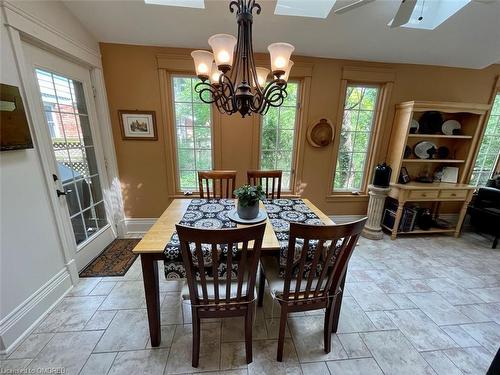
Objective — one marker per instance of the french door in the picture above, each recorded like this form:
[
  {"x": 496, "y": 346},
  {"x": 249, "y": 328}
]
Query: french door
[{"x": 66, "y": 104}]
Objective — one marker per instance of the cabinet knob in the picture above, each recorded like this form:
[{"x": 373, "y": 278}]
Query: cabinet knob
[
  {"x": 453, "y": 195},
  {"x": 424, "y": 195}
]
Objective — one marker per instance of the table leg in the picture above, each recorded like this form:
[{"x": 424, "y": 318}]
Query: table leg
[
  {"x": 338, "y": 305},
  {"x": 399, "y": 213},
  {"x": 152, "y": 290},
  {"x": 463, "y": 212},
  {"x": 262, "y": 282}
]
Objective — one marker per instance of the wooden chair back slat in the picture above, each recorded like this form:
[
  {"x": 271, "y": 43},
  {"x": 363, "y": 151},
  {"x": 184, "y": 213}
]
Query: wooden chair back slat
[
  {"x": 237, "y": 240},
  {"x": 324, "y": 271},
  {"x": 215, "y": 270},
  {"x": 314, "y": 265},
  {"x": 208, "y": 181},
  {"x": 343, "y": 239},
  {"x": 229, "y": 271},
  {"x": 241, "y": 270},
  {"x": 302, "y": 265},
  {"x": 266, "y": 179}
]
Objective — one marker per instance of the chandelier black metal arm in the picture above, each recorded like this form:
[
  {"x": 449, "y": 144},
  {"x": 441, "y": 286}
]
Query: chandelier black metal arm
[{"x": 238, "y": 88}]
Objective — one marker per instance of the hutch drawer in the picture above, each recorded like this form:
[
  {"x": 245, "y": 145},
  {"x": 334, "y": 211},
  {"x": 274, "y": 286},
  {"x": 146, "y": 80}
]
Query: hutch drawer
[
  {"x": 423, "y": 194},
  {"x": 453, "y": 194}
]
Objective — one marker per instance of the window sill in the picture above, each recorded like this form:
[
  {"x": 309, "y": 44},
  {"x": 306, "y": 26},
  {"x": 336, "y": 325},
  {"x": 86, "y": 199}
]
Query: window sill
[{"x": 342, "y": 197}]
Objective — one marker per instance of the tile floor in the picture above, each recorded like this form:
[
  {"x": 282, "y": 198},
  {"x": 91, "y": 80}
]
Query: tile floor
[{"x": 412, "y": 306}]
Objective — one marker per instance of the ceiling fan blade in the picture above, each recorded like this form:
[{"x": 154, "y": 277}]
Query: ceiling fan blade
[
  {"x": 352, "y": 6},
  {"x": 403, "y": 14}
]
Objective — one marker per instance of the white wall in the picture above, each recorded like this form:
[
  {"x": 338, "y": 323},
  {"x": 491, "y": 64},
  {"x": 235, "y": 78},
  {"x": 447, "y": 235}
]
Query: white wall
[{"x": 33, "y": 274}]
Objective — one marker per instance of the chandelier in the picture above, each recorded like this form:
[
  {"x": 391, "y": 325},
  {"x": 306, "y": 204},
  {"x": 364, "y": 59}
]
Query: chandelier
[{"x": 232, "y": 82}]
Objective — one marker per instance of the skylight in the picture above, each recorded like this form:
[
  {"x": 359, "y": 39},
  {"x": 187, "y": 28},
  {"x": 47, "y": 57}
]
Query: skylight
[
  {"x": 304, "y": 8},
  {"x": 178, "y": 3},
  {"x": 429, "y": 14}
]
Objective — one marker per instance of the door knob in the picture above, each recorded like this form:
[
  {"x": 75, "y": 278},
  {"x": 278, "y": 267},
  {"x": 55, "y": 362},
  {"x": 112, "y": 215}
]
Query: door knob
[{"x": 59, "y": 192}]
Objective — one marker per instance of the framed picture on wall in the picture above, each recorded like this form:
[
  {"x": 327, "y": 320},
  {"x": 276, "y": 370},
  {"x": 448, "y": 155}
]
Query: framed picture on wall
[{"x": 138, "y": 125}]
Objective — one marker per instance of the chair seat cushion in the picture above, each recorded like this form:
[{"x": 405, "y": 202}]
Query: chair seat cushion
[
  {"x": 211, "y": 290},
  {"x": 276, "y": 282}
]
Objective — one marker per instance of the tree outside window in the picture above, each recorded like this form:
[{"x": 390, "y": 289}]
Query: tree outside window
[
  {"x": 357, "y": 124},
  {"x": 489, "y": 152},
  {"x": 193, "y": 129},
  {"x": 278, "y": 136}
]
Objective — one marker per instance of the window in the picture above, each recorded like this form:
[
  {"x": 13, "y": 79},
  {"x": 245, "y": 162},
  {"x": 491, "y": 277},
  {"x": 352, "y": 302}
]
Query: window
[
  {"x": 488, "y": 155},
  {"x": 278, "y": 136},
  {"x": 360, "y": 109},
  {"x": 193, "y": 129}
]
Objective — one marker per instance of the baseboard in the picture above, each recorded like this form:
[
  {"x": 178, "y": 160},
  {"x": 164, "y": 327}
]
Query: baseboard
[
  {"x": 16, "y": 326},
  {"x": 136, "y": 228},
  {"x": 341, "y": 219}
]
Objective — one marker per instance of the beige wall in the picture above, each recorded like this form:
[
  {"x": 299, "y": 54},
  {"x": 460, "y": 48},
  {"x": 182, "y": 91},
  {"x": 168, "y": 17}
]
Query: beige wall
[{"x": 133, "y": 82}]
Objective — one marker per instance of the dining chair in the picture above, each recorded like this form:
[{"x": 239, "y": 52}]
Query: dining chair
[
  {"x": 204, "y": 253},
  {"x": 265, "y": 179},
  {"x": 225, "y": 181},
  {"x": 316, "y": 264}
]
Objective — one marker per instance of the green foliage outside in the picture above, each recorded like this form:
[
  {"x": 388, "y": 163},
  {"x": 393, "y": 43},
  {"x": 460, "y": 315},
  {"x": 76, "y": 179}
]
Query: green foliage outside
[
  {"x": 193, "y": 132},
  {"x": 278, "y": 136},
  {"x": 490, "y": 148},
  {"x": 359, "y": 113}
]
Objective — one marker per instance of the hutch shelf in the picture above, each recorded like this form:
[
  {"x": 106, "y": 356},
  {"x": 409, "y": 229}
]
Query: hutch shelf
[{"x": 462, "y": 152}]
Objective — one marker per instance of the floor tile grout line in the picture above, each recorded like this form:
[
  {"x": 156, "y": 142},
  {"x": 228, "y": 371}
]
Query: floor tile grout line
[
  {"x": 375, "y": 359},
  {"x": 31, "y": 334}
]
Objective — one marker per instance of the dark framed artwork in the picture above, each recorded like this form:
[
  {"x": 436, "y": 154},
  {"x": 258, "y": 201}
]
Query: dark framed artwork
[
  {"x": 14, "y": 130},
  {"x": 138, "y": 125}
]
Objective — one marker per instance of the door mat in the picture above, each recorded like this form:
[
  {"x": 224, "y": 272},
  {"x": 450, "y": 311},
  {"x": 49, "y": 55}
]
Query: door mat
[{"x": 115, "y": 260}]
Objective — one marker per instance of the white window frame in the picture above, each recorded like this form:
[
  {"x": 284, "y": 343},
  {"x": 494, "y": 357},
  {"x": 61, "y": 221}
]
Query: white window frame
[
  {"x": 174, "y": 134},
  {"x": 371, "y": 143}
]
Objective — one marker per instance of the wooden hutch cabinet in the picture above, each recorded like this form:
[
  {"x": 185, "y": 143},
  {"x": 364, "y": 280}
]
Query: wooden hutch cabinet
[{"x": 462, "y": 151}]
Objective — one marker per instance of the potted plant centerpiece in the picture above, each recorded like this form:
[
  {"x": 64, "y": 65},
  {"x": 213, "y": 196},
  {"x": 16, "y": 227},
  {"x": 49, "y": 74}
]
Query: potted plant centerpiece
[{"x": 248, "y": 201}]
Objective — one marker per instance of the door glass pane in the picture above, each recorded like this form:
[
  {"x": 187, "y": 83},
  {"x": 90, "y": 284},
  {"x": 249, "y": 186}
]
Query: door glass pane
[
  {"x": 72, "y": 199},
  {"x": 67, "y": 119},
  {"x": 78, "y": 229}
]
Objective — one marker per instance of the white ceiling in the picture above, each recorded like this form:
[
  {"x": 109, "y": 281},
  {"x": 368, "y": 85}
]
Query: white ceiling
[{"x": 470, "y": 39}]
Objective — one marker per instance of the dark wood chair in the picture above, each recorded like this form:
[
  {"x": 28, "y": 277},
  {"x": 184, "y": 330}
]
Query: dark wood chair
[
  {"x": 215, "y": 296},
  {"x": 267, "y": 179},
  {"x": 222, "y": 184},
  {"x": 314, "y": 273}
]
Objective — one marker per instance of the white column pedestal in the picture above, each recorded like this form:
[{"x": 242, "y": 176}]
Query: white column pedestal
[{"x": 372, "y": 229}]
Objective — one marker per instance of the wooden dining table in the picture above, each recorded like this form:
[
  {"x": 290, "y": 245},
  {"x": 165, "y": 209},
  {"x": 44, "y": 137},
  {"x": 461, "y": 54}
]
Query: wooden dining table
[{"x": 152, "y": 245}]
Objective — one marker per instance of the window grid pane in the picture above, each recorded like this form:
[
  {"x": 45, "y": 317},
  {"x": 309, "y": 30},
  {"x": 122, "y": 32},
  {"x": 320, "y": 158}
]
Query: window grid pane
[
  {"x": 278, "y": 136},
  {"x": 193, "y": 132},
  {"x": 490, "y": 148},
  {"x": 355, "y": 136}
]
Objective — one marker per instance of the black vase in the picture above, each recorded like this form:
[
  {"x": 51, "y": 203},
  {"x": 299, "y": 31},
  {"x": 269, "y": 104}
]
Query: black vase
[
  {"x": 382, "y": 175},
  {"x": 424, "y": 219}
]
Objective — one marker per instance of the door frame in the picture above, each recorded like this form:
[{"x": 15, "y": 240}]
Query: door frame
[
  {"x": 103, "y": 135},
  {"x": 48, "y": 61}
]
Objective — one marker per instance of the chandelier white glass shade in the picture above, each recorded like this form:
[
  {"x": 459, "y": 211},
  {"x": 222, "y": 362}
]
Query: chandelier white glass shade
[{"x": 230, "y": 79}]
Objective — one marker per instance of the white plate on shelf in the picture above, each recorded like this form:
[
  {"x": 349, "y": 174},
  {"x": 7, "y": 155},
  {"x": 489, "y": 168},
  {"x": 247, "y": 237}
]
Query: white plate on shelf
[
  {"x": 414, "y": 125},
  {"x": 449, "y": 126},
  {"x": 233, "y": 216}
]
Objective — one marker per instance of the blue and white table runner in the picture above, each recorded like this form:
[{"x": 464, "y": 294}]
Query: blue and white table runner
[{"x": 212, "y": 214}]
